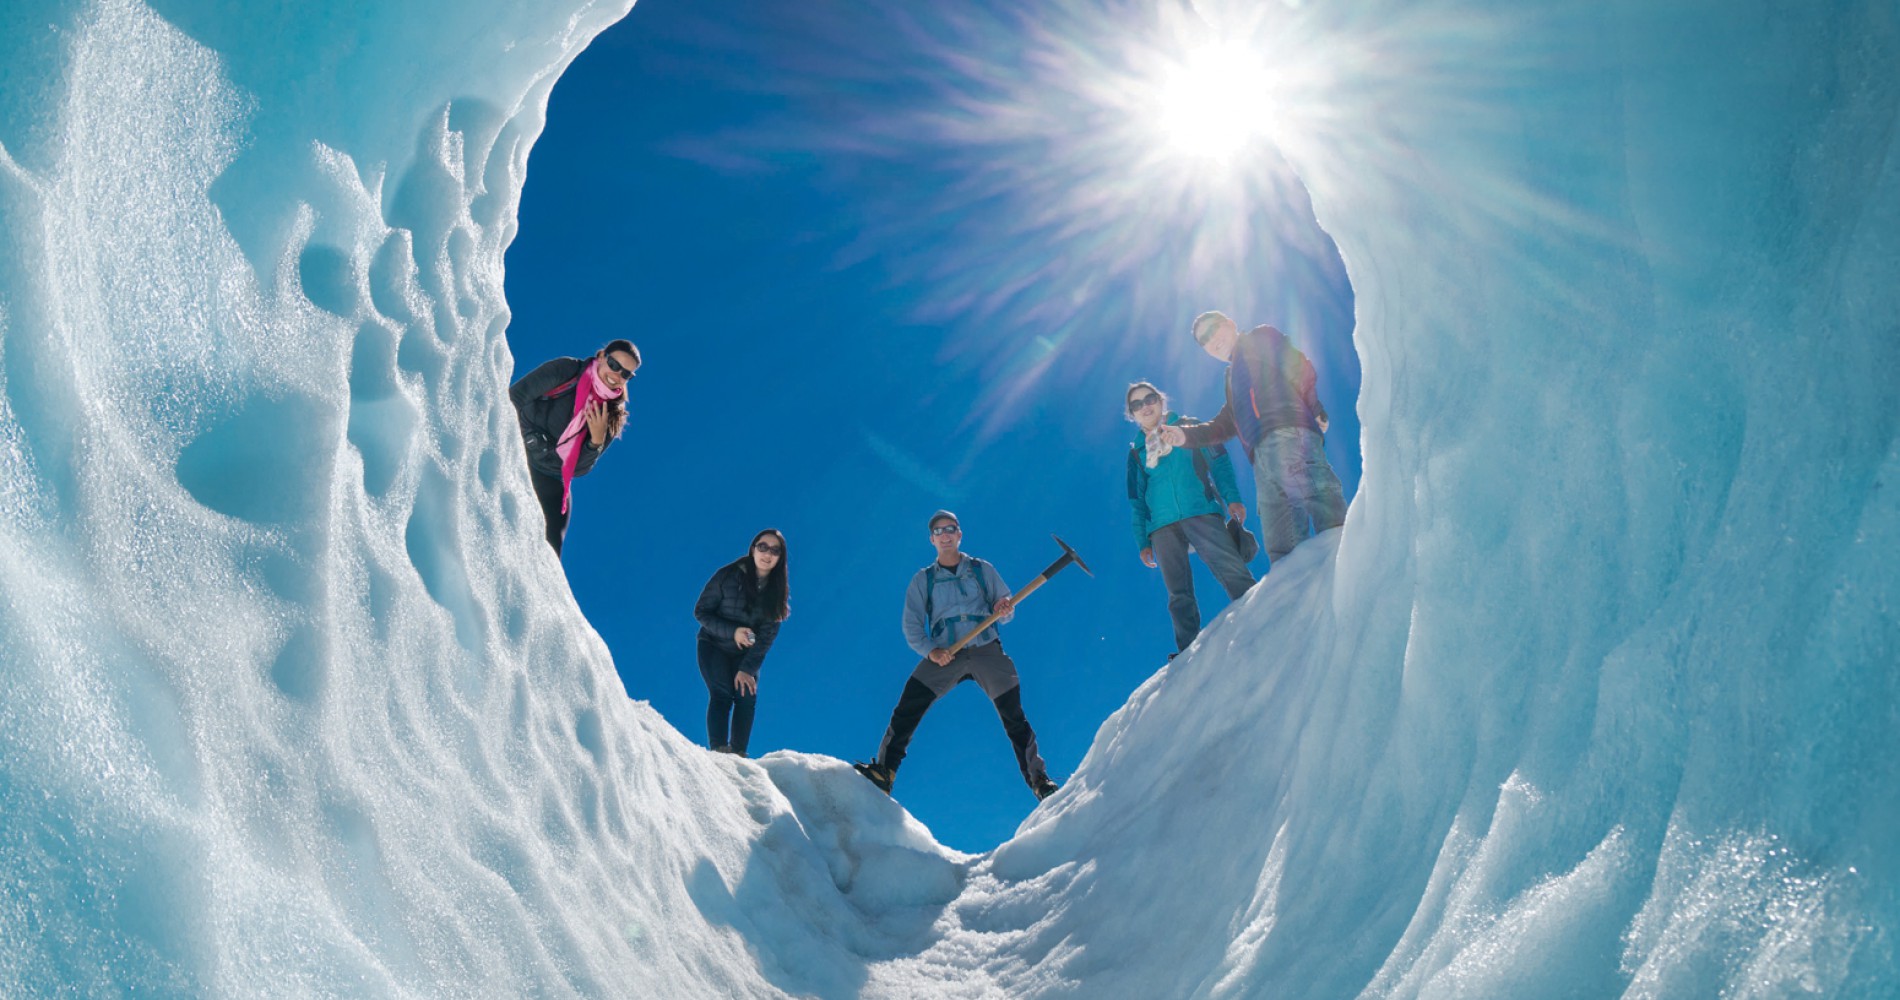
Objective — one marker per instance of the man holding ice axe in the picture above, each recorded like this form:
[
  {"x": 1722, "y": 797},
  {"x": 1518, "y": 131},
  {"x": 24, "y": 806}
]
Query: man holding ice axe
[{"x": 950, "y": 616}]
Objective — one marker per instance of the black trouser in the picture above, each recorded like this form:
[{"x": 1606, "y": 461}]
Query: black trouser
[
  {"x": 718, "y": 668},
  {"x": 547, "y": 489},
  {"x": 917, "y": 699}
]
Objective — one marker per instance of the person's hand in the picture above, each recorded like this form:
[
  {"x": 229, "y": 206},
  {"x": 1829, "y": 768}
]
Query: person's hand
[
  {"x": 1322, "y": 425},
  {"x": 1173, "y": 435},
  {"x": 1004, "y": 603},
  {"x": 1236, "y": 512},
  {"x": 940, "y": 656},
  {"x": 1148, "y": 558},
  {"x": 745, "y": 684},
  {"x": 596, "y": 414},
  {"x": 743, "y": 637}
]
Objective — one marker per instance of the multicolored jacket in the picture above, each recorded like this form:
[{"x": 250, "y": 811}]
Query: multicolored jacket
[{"x": 1270, "y": 385}]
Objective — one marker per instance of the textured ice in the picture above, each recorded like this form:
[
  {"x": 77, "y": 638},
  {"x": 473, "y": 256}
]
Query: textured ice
[{"x": 1595, "y": 694}]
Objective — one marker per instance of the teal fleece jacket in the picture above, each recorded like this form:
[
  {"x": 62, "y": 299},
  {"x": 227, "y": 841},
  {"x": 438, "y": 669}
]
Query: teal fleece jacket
[{"x": 1172, "y": 490}]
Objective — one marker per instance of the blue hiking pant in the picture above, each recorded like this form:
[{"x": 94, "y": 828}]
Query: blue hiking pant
[
  {"x": 1297, "y": 488},
  {"x": 1207, "y": 534}
]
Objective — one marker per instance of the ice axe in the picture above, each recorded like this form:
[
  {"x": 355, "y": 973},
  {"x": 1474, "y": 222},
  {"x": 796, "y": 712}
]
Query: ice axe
[{"x": 1068, "y": 556}]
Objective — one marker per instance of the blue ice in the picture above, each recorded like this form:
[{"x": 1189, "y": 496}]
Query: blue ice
[{"x": 1593, "y": 695}]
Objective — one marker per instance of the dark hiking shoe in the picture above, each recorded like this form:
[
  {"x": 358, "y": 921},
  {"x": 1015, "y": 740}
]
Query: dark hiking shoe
[
  {"x": 729, "y": 748},
  {"x": 877, "y": 774},
  {"x": 1044, "y": 789}
]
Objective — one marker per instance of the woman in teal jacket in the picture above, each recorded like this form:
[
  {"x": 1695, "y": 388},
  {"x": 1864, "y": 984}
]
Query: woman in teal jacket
[{"x": 1180, "y": 496}]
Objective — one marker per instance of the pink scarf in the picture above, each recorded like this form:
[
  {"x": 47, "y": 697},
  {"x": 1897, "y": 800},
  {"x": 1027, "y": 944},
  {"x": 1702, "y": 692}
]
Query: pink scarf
[{"x": 587, "y": 388}]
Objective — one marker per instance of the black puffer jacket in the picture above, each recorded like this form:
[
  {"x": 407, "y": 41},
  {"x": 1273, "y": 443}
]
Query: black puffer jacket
[
  {"x": 544, "y": 417},
  {"x": 726, "y": 605}
]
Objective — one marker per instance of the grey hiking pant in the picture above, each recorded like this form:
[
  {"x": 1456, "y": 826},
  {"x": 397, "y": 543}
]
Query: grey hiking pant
[
  {"x": 1207, "y": 533},
  {"x": 995, "y": 673},
  {"x": 1296, "y": 486}
]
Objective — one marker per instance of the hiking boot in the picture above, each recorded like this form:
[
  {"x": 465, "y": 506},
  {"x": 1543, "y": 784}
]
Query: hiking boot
[
  {"x": 877, "y": 774},
  {"x": 1044, "y": 788},
  {"x": 729, "y": 748}
]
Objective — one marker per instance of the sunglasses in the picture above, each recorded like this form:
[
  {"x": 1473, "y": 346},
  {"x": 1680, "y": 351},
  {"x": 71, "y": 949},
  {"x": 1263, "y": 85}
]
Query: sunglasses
[
  {"x": 1143, "y": 403},
  {"x": 769, "y": 549},
  {"x": 615, "y": 365},
  {"x": 945, "y": 529}
]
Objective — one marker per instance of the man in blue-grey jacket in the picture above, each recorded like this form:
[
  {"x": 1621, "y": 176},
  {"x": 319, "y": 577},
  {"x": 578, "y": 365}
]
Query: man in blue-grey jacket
[{"x": 947, "y": 599}]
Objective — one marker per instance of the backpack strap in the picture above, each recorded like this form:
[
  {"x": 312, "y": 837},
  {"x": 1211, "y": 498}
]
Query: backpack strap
[
  {"x": 1201, "y": 470},
  {"x": 1206, "y": 476},
  {"x": 930, "y": 592},
  {"x": 982, "y": 580}
]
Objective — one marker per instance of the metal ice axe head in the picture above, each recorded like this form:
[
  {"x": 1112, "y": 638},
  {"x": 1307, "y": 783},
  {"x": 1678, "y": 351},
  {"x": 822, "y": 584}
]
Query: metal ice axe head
[{"x": 1068, "y": 556}]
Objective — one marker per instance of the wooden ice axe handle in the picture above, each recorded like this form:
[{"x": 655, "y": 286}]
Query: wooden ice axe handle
[{"x": 1068, "y": 556}]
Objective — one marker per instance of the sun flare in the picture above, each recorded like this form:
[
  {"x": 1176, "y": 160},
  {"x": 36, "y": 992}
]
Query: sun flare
[{"x": 1215, "y": 103}]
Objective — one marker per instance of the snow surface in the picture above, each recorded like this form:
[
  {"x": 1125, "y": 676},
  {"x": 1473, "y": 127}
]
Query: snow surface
[{"x": 1594, "y": 694}]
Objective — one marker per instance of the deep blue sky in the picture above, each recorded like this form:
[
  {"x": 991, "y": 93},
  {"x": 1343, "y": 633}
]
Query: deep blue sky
[{"x": 848, "y": 322}]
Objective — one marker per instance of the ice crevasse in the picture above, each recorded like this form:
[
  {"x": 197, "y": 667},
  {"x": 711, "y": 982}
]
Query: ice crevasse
[{"x": 1594, "y": 694}]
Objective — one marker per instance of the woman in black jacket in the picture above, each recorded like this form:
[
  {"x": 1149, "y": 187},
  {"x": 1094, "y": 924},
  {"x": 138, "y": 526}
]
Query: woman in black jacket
[
  {"x": 739, "y": 613},
  {"x": 570, "y": 410}
]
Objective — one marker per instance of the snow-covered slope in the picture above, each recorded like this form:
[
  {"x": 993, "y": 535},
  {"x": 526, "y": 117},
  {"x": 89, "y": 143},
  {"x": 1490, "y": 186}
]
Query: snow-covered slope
[{"x": 1594, "y": 694}]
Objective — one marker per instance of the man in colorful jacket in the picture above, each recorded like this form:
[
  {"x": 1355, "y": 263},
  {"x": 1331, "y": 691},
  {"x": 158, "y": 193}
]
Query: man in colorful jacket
[{"x": 1274, "y": 408}]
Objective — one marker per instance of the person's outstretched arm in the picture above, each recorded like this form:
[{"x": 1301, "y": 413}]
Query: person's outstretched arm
[{"x": 1215, "y": 431}]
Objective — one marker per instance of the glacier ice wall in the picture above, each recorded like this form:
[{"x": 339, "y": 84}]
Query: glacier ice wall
[
  {"x": 1594, "y": 694},
  {"x": 1598, "y": 694},
  {"x": 295, "y": 701}
]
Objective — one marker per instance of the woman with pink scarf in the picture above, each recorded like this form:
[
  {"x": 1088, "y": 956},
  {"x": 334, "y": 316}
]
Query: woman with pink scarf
[{"x": 570, "y": 410}]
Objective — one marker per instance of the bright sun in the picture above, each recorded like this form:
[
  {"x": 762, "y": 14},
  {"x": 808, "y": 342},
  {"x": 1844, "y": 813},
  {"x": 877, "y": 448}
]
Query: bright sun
[{"x": 1216, "y": 102}]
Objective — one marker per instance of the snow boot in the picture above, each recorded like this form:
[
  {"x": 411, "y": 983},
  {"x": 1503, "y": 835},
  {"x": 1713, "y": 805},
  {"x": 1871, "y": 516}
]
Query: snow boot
[
  {"x": 877, "y": 774},
  {"x": 1044, "y": 788}
]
